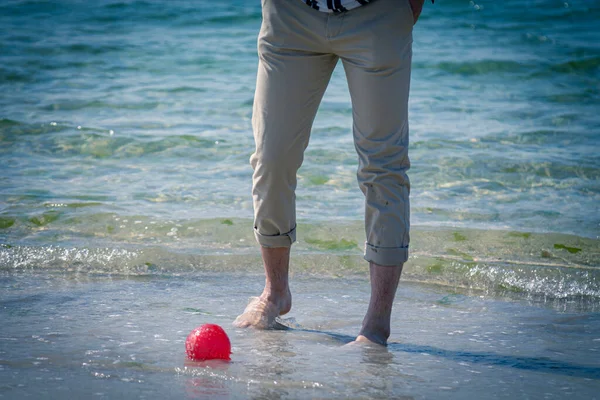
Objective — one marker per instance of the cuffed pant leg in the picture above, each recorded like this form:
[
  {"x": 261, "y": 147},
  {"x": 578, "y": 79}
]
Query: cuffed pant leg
[
  {"x": 377, "y": 66},
  {"x": 293, "y": 72}
]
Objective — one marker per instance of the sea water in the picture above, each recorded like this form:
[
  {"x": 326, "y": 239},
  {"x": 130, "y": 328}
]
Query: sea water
[{"x": 126, "y": 214}]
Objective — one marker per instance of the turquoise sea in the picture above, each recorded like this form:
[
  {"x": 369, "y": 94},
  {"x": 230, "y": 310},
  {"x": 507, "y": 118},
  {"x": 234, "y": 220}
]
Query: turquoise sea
[{"x": 126, "y": 214}]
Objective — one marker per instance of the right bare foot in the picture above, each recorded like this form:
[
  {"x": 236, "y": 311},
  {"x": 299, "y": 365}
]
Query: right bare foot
[{"x": 262, "y": 311}]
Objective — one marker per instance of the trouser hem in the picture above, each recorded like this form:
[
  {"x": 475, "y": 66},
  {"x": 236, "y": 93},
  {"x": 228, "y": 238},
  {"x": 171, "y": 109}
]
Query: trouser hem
[
  {"x": 282, "y": 240},
  {"x": 389, "y": 256}
]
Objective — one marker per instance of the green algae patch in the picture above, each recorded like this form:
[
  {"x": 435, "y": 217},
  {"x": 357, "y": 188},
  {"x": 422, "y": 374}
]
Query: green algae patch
[
  {"x": 435, "y": 268},
  {"x": 524, "y": 235},
  {"x": 345, "y": 261},
  {"x": 318, "y": 180},
  {"x": 227, "y": 222},
  {"x": 44, "y": 218},
  {"x": 6, "y": 222},
  {"x": 461, "y": 254},
  {"x": 458, "y": 237},
  {"x": 572, "y": 250},
  {"x": 342, "y": 244}
]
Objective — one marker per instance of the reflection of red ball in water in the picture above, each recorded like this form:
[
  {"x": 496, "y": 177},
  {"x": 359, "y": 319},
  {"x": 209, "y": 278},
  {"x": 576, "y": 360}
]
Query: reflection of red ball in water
[{"x": 208, "y": 342}]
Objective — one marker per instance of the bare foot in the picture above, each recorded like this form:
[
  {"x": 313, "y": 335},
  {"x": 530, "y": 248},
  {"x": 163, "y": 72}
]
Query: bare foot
[
  {"x": 276, "y": 298},
  {"x": 261, "y": 312},
  {"x": 376, "y": 324},
  {"x": 361, "y": 339}
]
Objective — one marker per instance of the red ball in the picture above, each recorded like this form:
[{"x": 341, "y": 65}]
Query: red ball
[{"x": 208, "y": 342}]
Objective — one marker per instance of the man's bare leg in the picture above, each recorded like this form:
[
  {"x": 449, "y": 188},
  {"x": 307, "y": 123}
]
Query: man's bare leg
[
  {"x": 376, "y": 324},
  {"x": 276, "y": 298}
]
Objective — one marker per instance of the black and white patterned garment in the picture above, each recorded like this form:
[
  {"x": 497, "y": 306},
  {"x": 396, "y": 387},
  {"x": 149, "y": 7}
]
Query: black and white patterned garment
[{"x": 335, "y": 5}]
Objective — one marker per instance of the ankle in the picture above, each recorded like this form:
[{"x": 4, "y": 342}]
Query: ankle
[
  {"x": 276, "y": 289},
  {"x": 376, "y": 325},
  {"x": 274, "y": 296},
  {"x": 376, "y": 333},
  {"x": 280, "y": 296}
]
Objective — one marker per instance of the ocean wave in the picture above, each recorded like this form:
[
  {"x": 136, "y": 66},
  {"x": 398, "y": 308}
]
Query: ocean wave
[
  {"x": 495, "y": 262},
  {"x": 482, "y": 67},
  {"x": 552, "y": 279},
  {"x": 589, "y": 67},
  {"x": 61, "y": 139}
]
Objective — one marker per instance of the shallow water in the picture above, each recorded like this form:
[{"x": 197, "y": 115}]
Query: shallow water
[{"x": 112, "y": 337}]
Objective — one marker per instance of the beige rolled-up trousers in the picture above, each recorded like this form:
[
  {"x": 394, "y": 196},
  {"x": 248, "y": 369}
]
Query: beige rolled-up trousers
[{"x": 298, "y": 48}]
